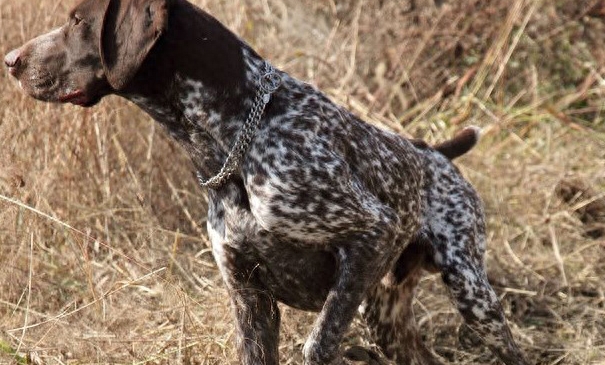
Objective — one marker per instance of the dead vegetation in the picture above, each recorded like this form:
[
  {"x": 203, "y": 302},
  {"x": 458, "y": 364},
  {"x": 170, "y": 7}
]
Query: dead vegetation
[{"x": 104, "y": 254}]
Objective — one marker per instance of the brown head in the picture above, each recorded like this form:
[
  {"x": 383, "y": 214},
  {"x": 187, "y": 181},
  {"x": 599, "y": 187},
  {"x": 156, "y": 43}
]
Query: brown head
[{"x": 96, "y": 52}]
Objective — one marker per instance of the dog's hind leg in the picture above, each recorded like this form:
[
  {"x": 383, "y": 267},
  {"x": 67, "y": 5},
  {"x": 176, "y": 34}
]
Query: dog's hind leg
[
  {"x": 454, "y": 225},
  {"x": 476, "y": 300},
  {"x": 389, "y": 315}
]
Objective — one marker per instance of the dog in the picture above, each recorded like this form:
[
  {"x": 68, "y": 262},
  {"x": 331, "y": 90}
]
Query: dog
[{"x": 308, "y": 205}]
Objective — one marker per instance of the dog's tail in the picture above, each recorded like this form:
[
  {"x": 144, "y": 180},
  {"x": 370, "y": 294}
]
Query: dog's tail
[{"x": 462, "y": 142}]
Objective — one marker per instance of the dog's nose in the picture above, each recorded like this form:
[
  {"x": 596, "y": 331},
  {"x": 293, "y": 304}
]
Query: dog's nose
[{"x": 13, "y": 60}]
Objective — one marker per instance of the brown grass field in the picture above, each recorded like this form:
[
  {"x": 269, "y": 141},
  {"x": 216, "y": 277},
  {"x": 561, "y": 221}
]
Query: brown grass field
[{"x": 105, "y": 258}]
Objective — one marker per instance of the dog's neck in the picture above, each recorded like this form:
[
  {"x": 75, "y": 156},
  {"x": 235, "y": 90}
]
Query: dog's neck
[{"x": 201, "y": 87}]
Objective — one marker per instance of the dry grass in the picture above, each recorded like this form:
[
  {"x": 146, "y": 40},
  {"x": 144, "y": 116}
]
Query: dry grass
[{"x": 104, "y": 253}]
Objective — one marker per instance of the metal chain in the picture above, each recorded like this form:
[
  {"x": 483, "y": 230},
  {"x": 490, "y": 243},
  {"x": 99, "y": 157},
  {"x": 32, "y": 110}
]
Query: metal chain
[{"x": 268, "y": 82}]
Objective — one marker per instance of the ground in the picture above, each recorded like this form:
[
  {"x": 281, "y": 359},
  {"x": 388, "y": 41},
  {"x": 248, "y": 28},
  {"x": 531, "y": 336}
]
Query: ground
[{"x": 105, "y": 257}]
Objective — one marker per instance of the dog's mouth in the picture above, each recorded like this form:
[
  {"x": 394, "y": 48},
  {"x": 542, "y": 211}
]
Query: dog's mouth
[
  {"x": 77, "y": 97},
  {"x": 43, "y": 86}
]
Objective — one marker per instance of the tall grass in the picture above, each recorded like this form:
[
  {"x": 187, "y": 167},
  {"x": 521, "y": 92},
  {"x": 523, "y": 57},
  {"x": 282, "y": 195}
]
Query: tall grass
[{"x": 104, "y": 252}]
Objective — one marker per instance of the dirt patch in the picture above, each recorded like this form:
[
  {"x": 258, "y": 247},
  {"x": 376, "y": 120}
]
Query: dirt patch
[{"x": 586, "y": 203}]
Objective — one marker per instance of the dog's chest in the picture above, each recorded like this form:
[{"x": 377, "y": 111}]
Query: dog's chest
[{"x": 297, "y": 274}]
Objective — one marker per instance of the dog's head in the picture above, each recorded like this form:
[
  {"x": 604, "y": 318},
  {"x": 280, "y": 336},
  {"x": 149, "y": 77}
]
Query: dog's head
[{"x": 96, "y": 52}]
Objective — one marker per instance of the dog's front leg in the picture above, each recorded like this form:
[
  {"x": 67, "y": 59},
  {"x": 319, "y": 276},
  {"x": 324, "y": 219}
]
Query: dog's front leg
[
  {"x": 257, "y": 316},
  {"x": 257, "y": 323},
  {"x": 363, "y": 259}
]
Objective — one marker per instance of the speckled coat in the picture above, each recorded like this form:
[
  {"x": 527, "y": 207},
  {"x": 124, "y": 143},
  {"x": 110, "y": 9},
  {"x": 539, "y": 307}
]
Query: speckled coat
[{"x": 326, "y": 213}]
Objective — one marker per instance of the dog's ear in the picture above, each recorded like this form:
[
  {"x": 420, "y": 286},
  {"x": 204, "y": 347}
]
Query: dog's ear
[{"x": 130, "y": 30}]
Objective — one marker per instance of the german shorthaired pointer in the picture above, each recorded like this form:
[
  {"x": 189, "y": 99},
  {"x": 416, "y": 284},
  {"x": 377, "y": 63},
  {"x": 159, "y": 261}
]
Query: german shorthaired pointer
[{"x": 308, "y": 205}]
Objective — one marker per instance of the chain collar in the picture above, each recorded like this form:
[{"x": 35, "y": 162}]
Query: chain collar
[{"x": 268, "y": 82}]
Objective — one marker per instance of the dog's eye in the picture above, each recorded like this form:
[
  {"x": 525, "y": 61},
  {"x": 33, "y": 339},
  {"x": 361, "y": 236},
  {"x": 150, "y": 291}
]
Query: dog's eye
[{"x": 76, "y": 19}]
